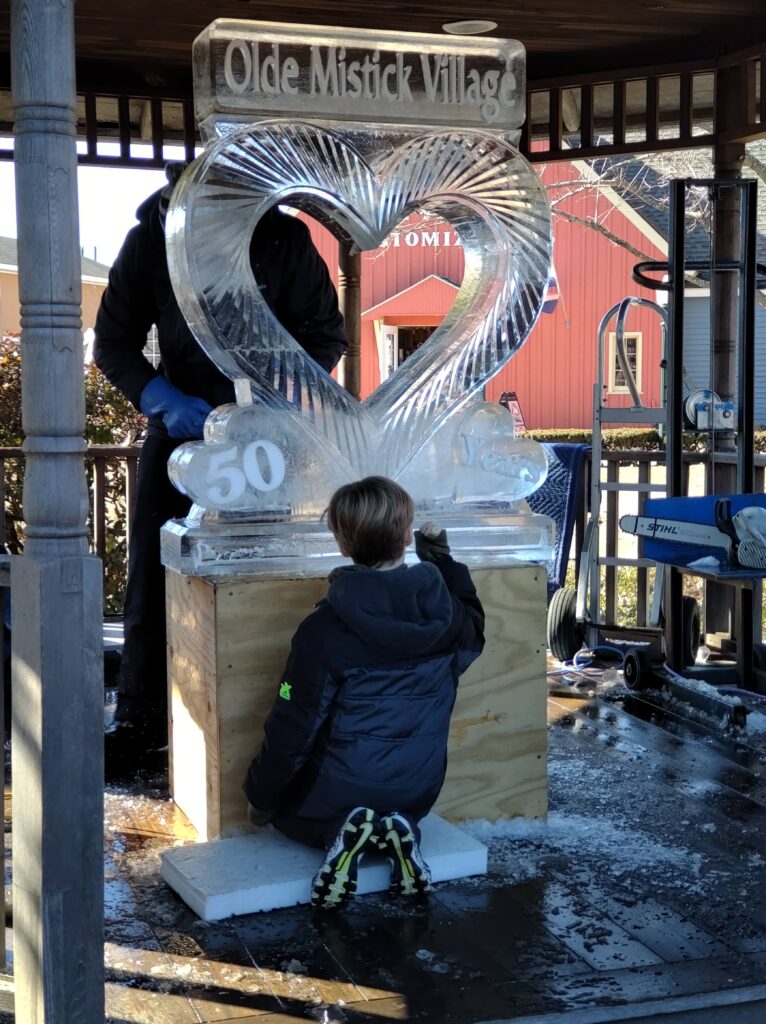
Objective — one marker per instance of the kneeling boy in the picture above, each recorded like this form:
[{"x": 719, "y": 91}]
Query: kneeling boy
[{"x": 355, "y": 747}]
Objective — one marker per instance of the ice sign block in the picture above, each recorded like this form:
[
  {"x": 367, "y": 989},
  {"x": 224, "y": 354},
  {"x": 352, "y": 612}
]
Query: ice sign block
[{"x": 399, "y": 78}]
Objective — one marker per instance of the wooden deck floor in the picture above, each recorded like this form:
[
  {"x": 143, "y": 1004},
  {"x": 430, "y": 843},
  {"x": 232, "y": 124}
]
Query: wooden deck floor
[{"x": 646, "y": 883}]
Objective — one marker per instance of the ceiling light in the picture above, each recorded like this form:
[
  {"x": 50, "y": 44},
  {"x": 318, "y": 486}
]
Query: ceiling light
[{"x": 472, "y": 27}]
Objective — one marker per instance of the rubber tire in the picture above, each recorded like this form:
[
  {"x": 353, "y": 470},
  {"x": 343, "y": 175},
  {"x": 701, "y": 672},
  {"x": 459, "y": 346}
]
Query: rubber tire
[
  {"x": 565, "y": 633},
  {"x": 637, "y": 669},
  {"x": 692, "y": 629}
]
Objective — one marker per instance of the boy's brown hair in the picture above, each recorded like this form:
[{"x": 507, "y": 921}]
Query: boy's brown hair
[{"x": 371, "y": 520}]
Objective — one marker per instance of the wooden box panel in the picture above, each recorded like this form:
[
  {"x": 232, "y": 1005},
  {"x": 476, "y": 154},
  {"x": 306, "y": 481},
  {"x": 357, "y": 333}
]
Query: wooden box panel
[
  {"x": 498, "y": 735},
  {"x": 228, "y": 641}
]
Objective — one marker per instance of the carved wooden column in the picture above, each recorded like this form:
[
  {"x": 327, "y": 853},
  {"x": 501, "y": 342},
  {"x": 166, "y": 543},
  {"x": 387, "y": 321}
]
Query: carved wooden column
[
  {"x": 56, "y": 584},
  {"x": 350, "y": 301}
]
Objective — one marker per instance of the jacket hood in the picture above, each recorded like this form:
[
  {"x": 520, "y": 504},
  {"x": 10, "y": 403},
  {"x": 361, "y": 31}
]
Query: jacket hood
[
  {"x": 148, "y": 214},
  {"x": 400, "y": 611}
]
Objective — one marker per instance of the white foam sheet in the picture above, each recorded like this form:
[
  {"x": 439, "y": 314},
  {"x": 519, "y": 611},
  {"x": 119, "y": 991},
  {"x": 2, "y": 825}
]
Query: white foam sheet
[{"x": 265, "y": 871}]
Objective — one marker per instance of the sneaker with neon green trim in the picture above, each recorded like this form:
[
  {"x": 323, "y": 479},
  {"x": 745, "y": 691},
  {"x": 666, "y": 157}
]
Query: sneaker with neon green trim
[
  {"x": 335, "y": 882},
  {"x": 410, "y": 874}
]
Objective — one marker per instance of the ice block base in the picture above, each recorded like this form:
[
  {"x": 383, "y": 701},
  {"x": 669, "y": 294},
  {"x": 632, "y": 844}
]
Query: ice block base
[{"x": 284, "y": 548}]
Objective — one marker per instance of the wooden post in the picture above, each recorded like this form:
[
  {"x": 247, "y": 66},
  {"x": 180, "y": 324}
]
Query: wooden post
[
  {"x": 727, "y": 159},
  {"x": 58, "y": 873},
  {"x": 350, "y": 301}
]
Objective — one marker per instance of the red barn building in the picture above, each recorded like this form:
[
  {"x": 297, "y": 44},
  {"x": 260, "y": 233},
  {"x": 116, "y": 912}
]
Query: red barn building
[{"x": 409, "y": 284}]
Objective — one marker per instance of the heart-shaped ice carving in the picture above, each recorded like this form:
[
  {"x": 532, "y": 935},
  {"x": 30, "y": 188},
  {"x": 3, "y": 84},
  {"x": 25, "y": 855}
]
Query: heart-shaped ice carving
[{"x": 480, "y": 184}]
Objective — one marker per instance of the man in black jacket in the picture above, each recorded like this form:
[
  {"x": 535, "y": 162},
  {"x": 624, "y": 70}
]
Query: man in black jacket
[
  {"x": 176, "y": 398},
  {"x": 355, "y": 747}
]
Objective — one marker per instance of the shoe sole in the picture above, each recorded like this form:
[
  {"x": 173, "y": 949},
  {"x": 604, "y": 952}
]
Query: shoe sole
[
  {"x": 410, "y": 875},
  {"x": 335, "y": 883}
]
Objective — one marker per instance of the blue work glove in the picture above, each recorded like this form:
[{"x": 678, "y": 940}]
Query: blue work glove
[
  {"x": 183, "y": 415},
  {"x": 431, "y": 543}
]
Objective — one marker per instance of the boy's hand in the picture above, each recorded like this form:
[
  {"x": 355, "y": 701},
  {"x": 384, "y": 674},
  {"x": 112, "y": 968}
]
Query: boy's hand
[
  {"x": 431, "y": 543},
  {"x": 258, "y": 817}
]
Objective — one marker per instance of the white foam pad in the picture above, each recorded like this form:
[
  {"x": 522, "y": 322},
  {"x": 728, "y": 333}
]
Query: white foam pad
[{"x": 265, "y": 870}]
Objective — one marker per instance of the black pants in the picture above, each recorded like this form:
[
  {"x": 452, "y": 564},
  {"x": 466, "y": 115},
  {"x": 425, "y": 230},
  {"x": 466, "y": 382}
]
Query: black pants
[
  {"x": 143, "y": 675},
  {"x": 314, "y": 832}
]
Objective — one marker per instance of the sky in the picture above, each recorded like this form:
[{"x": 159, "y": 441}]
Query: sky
[{"x": 108, "y": 199}]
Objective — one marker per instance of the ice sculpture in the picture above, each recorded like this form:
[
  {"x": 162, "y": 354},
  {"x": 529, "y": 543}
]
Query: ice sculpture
[{"x": 264, "y": 473}]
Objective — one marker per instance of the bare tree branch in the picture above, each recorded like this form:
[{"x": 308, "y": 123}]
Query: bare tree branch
[{"x": 595, "y": 226}]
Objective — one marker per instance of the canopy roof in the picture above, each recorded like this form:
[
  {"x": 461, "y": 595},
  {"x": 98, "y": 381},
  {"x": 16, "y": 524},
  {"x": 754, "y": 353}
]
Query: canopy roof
[{"x": 146, "y": 44}]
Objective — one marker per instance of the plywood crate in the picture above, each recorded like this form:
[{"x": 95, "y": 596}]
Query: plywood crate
[{"x": 228, "y": 640}]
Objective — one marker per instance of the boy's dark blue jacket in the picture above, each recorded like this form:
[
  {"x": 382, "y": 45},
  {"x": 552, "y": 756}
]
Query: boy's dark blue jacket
[{"x": 364, "y": 705}]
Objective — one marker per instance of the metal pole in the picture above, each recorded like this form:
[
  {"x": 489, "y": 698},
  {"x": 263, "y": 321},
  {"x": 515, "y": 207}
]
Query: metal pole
[
  {"x": 746, "y": 340},
  {"x": 675, "y": 348},
  {"x": 55, "y": 584},
  {"x": 731, "y": 90},
  {"x": 675, "y": 404},
  {"x": 724, "y": 292},
  {"x": 350, "y": 301},
  {"x": 746, "y": 600}
]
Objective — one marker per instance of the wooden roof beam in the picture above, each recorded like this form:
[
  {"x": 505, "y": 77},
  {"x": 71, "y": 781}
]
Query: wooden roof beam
[{"x": 748, "y": 121}]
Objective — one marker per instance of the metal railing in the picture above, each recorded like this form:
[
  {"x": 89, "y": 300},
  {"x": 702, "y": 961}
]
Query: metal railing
[
  {"x": 99, "y": 459},
  {"x": 113, "y": 472}
]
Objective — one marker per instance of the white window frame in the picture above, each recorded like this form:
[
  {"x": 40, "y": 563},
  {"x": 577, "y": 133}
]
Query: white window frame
[
  {"x": 618, "y": 389},
  {"x": 152, "y": 346},
  {"x": 387, "y": 339}
]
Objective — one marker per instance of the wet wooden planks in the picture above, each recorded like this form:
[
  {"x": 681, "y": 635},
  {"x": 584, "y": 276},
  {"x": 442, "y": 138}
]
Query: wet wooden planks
[
  {"x": 565, "y": 932},
  {"x": 700, "y": 795},
  {"x": 457, "y": 959}
]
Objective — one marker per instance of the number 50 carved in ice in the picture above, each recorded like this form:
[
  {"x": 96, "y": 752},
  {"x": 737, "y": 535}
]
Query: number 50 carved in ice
[{"x": 231, "y": 470}]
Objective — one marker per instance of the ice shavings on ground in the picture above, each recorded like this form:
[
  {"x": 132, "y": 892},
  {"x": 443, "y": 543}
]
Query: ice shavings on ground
[
  {"x": 518, "y": 846},
  {"x": 433, "y": 962},
  {"x": 293, "y": 967},
  {"x": 721, "y": 725},
  {"x": 612, "y": 685},
  {"x": 641, "y": 826},
  {"x": 756, "y": 723},
  {"x": 706, "y": 690}
]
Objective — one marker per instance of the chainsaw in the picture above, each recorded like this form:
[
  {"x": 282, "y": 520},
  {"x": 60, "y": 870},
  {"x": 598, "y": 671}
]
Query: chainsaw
[{"x": 742, "y": 537}]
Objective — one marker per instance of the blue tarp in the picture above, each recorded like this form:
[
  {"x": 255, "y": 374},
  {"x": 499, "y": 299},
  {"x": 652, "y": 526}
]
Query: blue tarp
[{"x": 559, "y": 498}]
